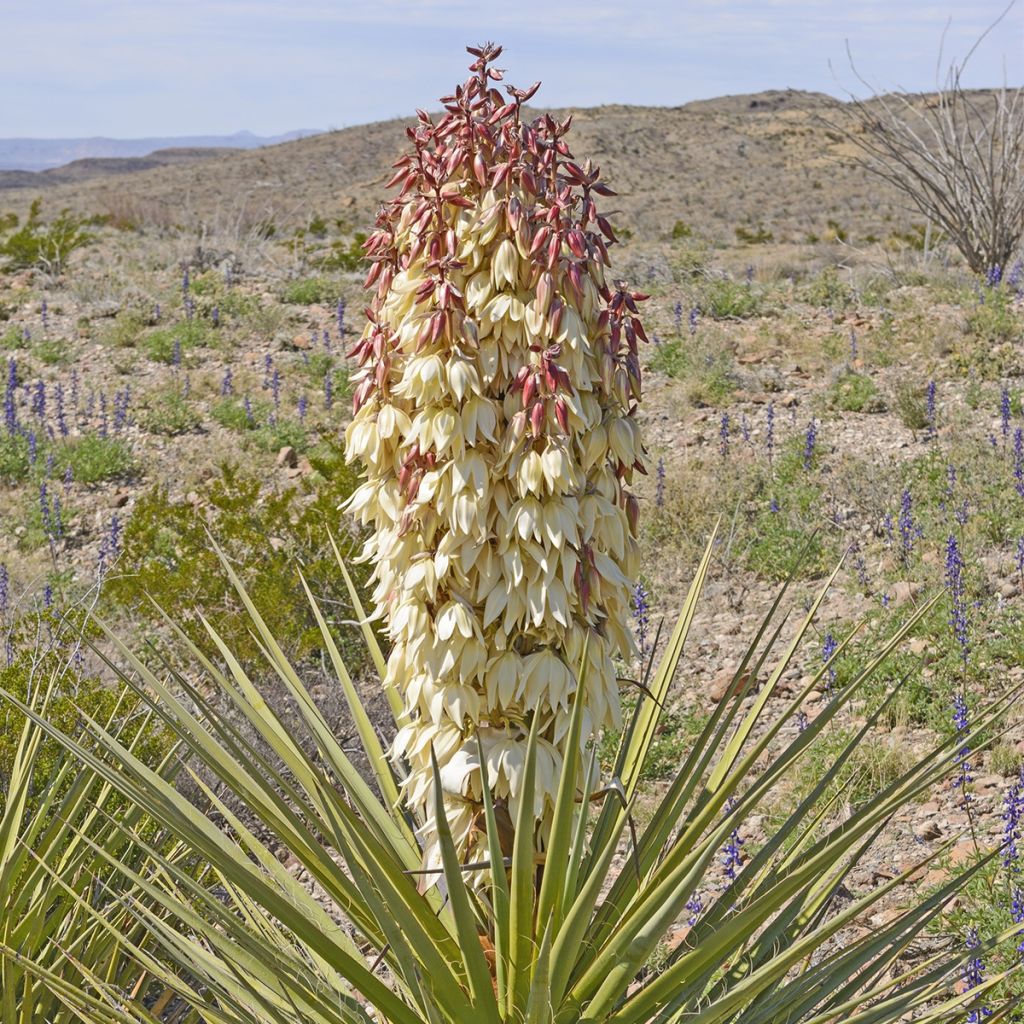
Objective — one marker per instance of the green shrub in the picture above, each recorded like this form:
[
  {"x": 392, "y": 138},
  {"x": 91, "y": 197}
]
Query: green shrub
[
  {"x": 995, "y": 319},
  {"x": 281, "y": 433},
  {"x": 855, "y": 392},
  {"x": 34, "y": 659},
  {"x": 169, "y": 412},
  {"x": 757, "y": 235},
  {"x": 726, "y": 299},
  {"x": 52, "y": 351},
  {"x": 126, "y": 329},
  {"x": 166, "y": 554},
  {"x": 706, "y": 368},
  {"x": 681, "y": 230},
  {"x": 93, "y": 458},
  {"x": 827, "y": 290},
  {"x": 310, "y": 291},
  {"x": 911, "y": 405},
  {"x": 165, "y": 343},
  {"x": 230, "y": 412},
  {"x": 14, "y": 457},
  {"x": 45, "y": 246}
]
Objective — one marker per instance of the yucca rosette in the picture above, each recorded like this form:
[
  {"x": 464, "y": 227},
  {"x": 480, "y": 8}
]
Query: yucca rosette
[{"x": 495, "y": 415}]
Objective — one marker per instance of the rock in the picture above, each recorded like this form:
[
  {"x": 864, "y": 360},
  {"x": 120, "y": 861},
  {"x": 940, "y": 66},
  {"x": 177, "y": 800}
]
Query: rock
[
  {"x": 1008, "y": 589},
  {"x": 276, "y": 543},
  {"x": 963, "y": 853},
  {"x": 102, "y": 310},
  {"x": 287, "y": 458},
  {"x": 722, "y": 685},
  {"x": 904, "y": 592},
  {"x": 301, "y": 342},
  {"x": 927, "y": 831}
]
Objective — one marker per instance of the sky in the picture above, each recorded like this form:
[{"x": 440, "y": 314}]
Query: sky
[{"x": 135, "y": 68}]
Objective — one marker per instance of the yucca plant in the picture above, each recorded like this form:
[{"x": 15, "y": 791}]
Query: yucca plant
[
  {"x": 495, "y": 416},
  {"x": 64, "y": 933},
  {"x": 367, "y": 936},
  {"x": 486, "y": 870}
]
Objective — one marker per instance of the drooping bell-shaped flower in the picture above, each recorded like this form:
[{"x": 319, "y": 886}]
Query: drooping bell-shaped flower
[{"x": 495, "y": 416}]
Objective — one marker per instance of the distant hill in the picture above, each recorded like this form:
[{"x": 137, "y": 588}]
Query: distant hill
[
  {"x": 42, "y": 154},
  {"x": 766, "y": 165}
]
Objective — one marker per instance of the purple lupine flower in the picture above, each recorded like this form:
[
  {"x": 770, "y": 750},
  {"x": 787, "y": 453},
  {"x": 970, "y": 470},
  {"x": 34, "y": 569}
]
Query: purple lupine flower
[
  {"x": 249, "y": 418},
  {"x": 227, "y": 384},
  {"x": 732, "y": 855},
  {"x": 268, "y": 369},
  {"x": 659, "y": 487},
  {"x": 723, "y": 436},
  {"x": 48, "y": 595},
  {"x": 974, "y": 975},
  {"x": 750, "y": 274},
  {"x": 770, "y": 431},
  {"x": 1018, "y": 460},
  {"x": 695, "y": 906},
  {"x": 58, "y": 402},
  {"x": 44, "y": 508},
  {"x": 860, "y": 565},
  {"x": 275, "y": 387},
  {"x": 744, "y": 429},
  {"x": 961, "y": 722},
  {"x": 773, "y": 505},
  {"x": 994, "y": 276},
  {"x": 32, "y": 448},
  {"x": 303, "y": 405},
  {"x": 677, "y": 312},
  {"x": 26, "y": 335},
  {"x": 958, "y": 610},
  {"x": 328, "y": 390},
  {"x": 801, "y": 720},
  {"x": 909, "y": 531},
  {"x": 1012, "y": 805},
  {"x": 1004, "y": 414},
  {"x": 1016, "y": 276},
  {"x": 828, "y": 652},
  {"x": 810, "y": 441},
  {"x": 103, "y": 415},
  {"x": 38, "y": 405},
  {"x": 10, "y": 401},
  {"x": 69, "y": 479},
  {"x": 340, "y": 314},
  {"x": 121, "y": 401},
  {"x": 1017, "y": 915},
  {"x": 5, "y": 590},
  {"x": 930, "y": 406},
  {"x": 44, "y": 314},
  {"x": 185, "y": 282},
  {"x": 642, "y": 615},
  {"x": 176, "y": 353},
  {"x": 327, "y": 341},
  {"x": 694, "y": 315},
  {"x": 215, "y": 316},
  {"x": 114, "y": 536}
]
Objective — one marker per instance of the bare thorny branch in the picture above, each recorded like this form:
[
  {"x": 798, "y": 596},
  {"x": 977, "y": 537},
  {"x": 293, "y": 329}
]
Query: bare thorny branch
[{"x": 957, "y": 156}]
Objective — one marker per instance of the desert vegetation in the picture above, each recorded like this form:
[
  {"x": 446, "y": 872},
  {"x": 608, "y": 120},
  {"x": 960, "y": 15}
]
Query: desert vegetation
[{"x": 527, "y": 603}]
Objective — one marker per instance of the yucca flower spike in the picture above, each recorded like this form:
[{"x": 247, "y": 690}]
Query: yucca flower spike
[{"x": 495, "y": 415}]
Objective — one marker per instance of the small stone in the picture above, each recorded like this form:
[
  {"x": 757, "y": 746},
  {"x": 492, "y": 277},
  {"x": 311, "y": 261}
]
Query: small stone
[
  {"x": 287, "y": 458},
  {"x": 904, "y": 592},
  {"x": 1008, "y": 589},
  {"x": 276, "y": 543},
  {"x": 927, "y": 831}
]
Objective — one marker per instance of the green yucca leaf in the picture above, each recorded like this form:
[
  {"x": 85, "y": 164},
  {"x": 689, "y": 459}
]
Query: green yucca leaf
[{"x": 249, "y": 942}]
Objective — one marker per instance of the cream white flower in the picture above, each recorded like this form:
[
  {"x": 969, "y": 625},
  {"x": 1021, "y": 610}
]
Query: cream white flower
[{"x": 495, "y": 421}]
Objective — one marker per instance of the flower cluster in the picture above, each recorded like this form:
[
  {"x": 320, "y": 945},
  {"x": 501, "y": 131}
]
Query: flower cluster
[
  {"x": 961, "y": 722},
  {"x": 495, "y": 416}
]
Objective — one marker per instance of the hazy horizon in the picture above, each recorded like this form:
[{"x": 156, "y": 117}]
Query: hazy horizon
[{"x": 137, "y": 70}]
